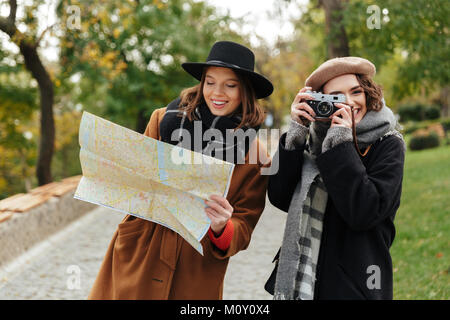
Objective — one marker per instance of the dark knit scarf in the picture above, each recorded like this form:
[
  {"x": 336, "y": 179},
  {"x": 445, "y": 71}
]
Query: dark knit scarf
[{"x": 211, "y": 135}]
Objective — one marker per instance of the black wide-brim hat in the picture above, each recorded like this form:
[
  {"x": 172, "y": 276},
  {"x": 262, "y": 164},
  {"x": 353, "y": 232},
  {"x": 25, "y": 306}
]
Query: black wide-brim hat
[{"x": 232, "y": 55}]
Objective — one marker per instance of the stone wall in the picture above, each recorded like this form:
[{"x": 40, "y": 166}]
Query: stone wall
[{"x": 27, "y": 219}]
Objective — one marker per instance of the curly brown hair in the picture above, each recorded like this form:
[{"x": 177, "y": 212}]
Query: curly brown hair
[
  {"x": 373, "y": 91},
  {"x": 250, "y": 111}
]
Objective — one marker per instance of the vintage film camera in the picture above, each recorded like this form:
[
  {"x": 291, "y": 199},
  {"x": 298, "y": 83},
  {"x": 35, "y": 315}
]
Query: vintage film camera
[{"x": 323, "y": 104}]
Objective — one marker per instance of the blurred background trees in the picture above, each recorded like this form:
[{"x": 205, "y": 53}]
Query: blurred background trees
[
  {"x": 117, "y": 59},
  {"x": 120, "y": 59},
  {"x": 131, "y": 52}
]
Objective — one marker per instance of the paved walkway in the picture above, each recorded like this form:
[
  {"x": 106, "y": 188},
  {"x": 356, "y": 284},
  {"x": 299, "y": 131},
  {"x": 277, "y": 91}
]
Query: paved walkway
[{"x": 52, "y": 268}]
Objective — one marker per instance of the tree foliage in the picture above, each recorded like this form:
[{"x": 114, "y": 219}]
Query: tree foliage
[
  {"x": 418, "y": 30},
  {"x": 287, "y": 68},
  {"x": 119, "y": 59},
  {"x": 413, "y": 33},
  {"x": 132, "y": 52},
  {"x": 18, "y": 132}
]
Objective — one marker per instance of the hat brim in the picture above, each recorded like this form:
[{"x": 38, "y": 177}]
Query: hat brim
[{"x": 262, "y": 86}]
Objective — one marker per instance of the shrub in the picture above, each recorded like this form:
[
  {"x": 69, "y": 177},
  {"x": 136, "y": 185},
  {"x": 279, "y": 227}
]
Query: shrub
[
  {"x": 411, "y": 127},
  {"x": 446, "y": 124},
  {"x": 423, "y": 140},
  {"x": 413, "y": 112},
  {"x": 432, "y": 112},
  {"x": 418, "y": 112}
]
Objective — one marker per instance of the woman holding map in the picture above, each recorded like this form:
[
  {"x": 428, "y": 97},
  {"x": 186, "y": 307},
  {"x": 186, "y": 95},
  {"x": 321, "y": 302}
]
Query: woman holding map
[{"x": 146, "y": 260}]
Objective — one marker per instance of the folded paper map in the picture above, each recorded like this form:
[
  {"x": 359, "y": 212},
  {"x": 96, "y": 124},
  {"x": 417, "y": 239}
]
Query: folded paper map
[{"x": 147, "y": 178}]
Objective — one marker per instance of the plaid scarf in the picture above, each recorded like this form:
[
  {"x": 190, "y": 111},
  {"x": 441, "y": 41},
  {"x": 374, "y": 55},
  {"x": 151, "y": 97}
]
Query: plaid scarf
[
  {"x": 296, "y": 274},
  {"x": 311, "y": 226}
]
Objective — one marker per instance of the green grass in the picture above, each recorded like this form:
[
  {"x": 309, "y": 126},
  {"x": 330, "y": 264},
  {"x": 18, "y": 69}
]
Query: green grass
[{"x": 420, "y": 252}]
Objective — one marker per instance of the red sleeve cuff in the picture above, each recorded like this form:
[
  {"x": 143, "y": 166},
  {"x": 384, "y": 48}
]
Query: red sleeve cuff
[{"x": 224, "y": 240}]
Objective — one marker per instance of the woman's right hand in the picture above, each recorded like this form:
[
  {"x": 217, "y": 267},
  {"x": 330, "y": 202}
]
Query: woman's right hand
[{"x": 300, "y": 110}]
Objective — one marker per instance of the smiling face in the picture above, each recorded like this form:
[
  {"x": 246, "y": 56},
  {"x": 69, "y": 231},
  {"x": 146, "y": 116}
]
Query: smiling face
[
  {"x": 221, "y": 91},
  {"x": 348, "y": 85}
]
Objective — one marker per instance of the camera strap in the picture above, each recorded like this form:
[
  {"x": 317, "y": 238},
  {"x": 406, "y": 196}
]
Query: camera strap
[{"x": 354, "y": 136}]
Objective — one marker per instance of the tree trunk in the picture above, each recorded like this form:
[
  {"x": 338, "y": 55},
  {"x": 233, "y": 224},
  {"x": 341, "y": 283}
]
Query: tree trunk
[
  {"x": 337, "y": 43},
  {"x": 34, "y": 65},
  {"x": 46, "y": 146},
  {"x": 444, "y": 97}
]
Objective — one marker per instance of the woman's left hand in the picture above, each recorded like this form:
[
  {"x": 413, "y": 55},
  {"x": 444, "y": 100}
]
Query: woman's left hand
[
  {"x": 219, "y": 211},
  {"x": 342, "y": 117}
]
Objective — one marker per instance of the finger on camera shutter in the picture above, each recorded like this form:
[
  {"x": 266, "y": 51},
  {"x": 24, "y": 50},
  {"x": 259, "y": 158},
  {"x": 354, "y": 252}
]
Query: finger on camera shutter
[{"x": 304, "y": 89}]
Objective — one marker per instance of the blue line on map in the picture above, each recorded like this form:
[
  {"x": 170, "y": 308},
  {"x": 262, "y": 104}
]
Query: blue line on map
[
  {"x": 84, "y": 141},
  {"x": 163, "y": 176}
]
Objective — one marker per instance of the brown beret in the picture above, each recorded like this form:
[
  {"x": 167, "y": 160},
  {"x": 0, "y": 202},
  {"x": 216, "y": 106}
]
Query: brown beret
[{"x": 338, "y": 66}]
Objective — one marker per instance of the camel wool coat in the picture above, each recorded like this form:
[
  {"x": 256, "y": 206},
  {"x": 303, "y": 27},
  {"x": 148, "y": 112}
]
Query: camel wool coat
[{"x": 146, "y": 260}]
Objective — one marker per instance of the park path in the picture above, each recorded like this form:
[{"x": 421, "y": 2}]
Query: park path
[{"x": 47, "y": 270}]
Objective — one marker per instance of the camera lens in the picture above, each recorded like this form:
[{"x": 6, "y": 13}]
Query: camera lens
[{"x": 325, "y": 108}]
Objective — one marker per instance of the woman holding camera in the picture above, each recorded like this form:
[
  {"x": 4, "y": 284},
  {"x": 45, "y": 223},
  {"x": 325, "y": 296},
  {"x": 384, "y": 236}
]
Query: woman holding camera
[{"x": 340, "y": 180}]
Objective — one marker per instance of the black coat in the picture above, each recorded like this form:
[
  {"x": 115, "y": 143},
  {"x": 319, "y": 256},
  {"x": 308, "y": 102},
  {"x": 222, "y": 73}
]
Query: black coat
[{"x": 358, "y": 229}]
